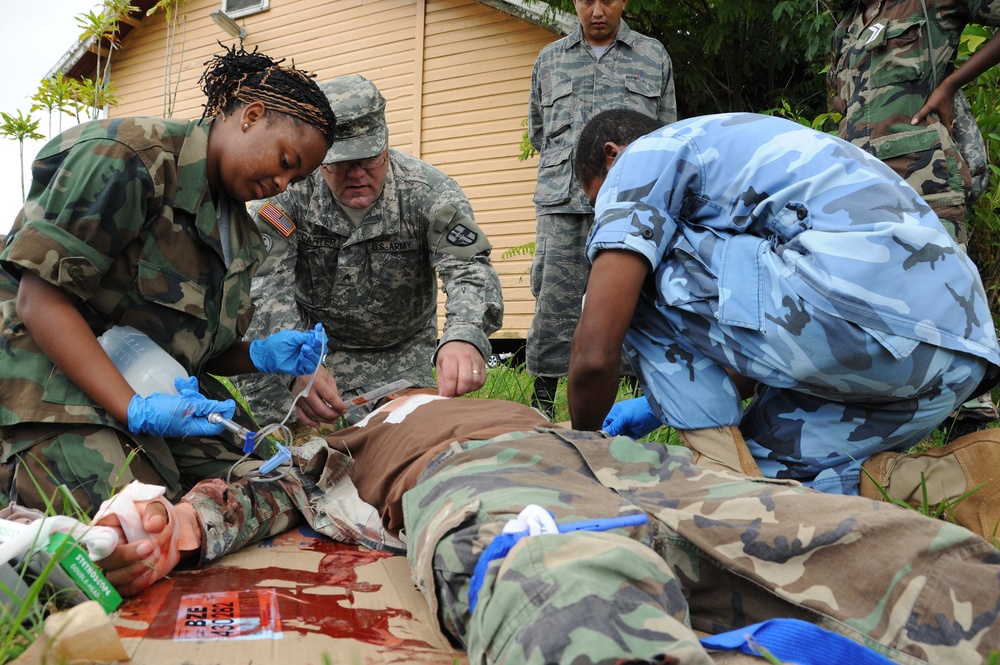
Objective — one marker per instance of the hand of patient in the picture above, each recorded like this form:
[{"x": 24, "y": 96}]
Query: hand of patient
[{"x": 155, "y": 536}]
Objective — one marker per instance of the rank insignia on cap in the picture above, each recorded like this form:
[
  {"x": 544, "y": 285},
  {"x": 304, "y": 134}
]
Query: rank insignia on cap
[
  {"x": 278, "y": 219},
  {"x": 460, "y": 236}
]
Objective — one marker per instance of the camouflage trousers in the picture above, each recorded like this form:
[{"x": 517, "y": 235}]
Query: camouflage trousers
[
  {"x": 830, "y": 393},
  {"x": 559, "y": 275},
  {"x": 720, "y": 552}
]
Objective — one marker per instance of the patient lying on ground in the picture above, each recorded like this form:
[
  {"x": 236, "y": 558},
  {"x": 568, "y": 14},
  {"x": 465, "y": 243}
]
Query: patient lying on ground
[{"x": 441, "y": 478}]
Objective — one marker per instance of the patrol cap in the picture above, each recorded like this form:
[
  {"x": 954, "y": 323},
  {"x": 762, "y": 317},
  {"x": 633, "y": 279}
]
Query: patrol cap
[{"x": 360, "y": 109}]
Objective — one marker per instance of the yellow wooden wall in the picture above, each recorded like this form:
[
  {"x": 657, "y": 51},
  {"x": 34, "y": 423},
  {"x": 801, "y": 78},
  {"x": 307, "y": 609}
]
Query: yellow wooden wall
[{"x": 455, "y": 74}]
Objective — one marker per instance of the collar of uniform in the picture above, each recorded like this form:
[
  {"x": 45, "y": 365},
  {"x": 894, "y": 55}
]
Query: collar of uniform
[
  {"x": 192, "y": 167},
  {"x": 625, "y": 35}
]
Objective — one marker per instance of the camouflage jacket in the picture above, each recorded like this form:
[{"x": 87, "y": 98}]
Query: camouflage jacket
[
  {"x": 883, "y": 72},
  {"x": 119, "y": 215},
  {"x": 374, "y": 287},
  {"x": 569, "y": 87},
  {"x": 730, "y": 205},
  {"x": 350, "y": 485}
]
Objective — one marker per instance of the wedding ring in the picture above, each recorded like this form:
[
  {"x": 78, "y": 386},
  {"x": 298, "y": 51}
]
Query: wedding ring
[{"x": 475, "y": 371}]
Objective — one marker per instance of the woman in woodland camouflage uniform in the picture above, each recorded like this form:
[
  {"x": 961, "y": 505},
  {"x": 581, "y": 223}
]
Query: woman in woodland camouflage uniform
[{"x": 141, "y": 222}]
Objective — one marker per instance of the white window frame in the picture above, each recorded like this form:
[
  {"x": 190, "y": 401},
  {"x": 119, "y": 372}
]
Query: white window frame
[{"x": 259, "y": 6}]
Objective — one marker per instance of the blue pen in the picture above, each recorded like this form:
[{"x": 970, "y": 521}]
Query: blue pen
[{"x": 606, "y": 523}]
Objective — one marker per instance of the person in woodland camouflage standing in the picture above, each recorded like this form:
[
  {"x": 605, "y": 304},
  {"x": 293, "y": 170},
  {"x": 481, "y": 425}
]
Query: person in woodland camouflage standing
[
  {"x": 141, "y": 222},
  {"x": 358, "y": 247},
  {"x": 698, "y": 548},
  {"x": 602, "y": 64},
  {"x": 894, "y": 80}
]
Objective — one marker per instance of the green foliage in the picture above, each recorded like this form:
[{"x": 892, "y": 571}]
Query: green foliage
[
  {"x": 525, "y": 151},
  {"x": 55, "y": 94},
  {"x": 527, "y": 249},
  {"x": 102, "y": 27},
  {"x": 984, "y": 217},
  {"x": 824, "y": 122},
  {"x": 739, "y": 55},
  {"x": 20, "y": 128}
]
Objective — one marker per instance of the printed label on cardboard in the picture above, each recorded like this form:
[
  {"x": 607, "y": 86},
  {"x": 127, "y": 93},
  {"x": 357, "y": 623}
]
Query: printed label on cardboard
[{"x": 229, "y": 615}]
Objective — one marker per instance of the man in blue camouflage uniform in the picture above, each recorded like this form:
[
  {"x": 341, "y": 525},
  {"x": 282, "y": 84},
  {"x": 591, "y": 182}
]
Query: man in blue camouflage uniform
[
  {"x": 359, "y": 247},
  {"x": 603, "y": 64},
  {"x": 894, "y": 82},
  {"x": 740, "y": 247},
  {"x": 716, "y": 551}
]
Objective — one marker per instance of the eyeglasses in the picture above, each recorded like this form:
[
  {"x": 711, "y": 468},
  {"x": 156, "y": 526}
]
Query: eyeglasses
[{"x": 366, "y": 164}]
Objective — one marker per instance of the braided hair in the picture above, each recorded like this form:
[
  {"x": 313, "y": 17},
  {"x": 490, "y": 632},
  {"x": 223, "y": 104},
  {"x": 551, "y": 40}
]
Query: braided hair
[{"x": 238, "y": 77}]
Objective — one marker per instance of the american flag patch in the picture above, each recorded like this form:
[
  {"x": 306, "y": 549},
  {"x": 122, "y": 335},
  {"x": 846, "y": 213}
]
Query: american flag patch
[{"x": 278, "y": 219}]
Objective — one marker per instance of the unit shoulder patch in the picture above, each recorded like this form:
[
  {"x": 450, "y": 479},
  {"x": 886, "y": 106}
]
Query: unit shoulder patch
[{"x": 461, "y": 236}]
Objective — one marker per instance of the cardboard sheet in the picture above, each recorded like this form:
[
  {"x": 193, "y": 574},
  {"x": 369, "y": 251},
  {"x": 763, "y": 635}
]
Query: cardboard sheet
[{"x": 296, "y": 598}]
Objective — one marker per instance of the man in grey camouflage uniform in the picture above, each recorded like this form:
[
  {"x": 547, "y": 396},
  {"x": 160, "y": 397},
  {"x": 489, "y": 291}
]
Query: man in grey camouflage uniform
[
  {"x": 603, "y": 64},
  {"x": 358, "y": 247},
  {"x": 717, "y": 551}
]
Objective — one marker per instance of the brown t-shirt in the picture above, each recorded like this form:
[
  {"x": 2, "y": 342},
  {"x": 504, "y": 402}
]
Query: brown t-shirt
[{"x": 389, "y": 456}]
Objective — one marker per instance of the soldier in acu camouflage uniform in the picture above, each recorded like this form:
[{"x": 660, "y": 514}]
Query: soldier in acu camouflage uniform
[
  {"x": 141, "y": 222},
  {"x": 602, "y": 65},
  {"x": 744, "y": 248},
  {"x": 358, "y": 247},
  {"x": 718, "y": 551}
]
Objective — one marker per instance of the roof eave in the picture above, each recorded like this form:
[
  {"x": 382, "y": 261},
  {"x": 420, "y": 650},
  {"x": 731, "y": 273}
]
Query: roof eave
[{"x": 537, "y": 12}]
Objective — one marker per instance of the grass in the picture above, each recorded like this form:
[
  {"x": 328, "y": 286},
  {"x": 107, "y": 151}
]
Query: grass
[{"x": 21, "y": 620}]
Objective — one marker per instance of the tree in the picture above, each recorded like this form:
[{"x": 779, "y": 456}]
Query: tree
[
  {"x": 171, "y": 8},
  {"x": 54, "y": 94},
  {"x": 20, "y": 128},
  {"x": 102, "y": 27}
]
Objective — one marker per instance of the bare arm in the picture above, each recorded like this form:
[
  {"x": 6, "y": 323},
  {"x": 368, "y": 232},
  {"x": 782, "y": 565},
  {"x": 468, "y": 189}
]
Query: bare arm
[
  {"x": 50, "y": 315},
  {"x": 612, "y": 293},
  {"x": 941, "y": 100},
  {"x": 234, "y": 360}
]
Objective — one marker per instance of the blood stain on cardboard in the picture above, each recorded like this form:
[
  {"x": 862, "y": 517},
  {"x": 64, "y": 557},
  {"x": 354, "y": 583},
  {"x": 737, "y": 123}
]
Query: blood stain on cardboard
[{"x": 230, "y": 602}]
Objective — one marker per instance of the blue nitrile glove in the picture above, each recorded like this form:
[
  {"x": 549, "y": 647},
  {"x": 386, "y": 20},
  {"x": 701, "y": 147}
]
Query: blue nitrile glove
[
  {"x": 289, "y": 351},
  {"x": 177, "y": 416},
  {"x": 633, "y": 418}
]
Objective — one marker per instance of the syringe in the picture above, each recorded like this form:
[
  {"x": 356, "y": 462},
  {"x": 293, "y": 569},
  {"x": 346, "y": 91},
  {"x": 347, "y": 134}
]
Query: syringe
[
  {"x": 249, "y": 438},
  {"x": 377, "y": 394}
]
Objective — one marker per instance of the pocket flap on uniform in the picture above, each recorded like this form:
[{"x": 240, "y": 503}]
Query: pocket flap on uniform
[
  {"x": 741, "y": 282},
  {"x": 171, "y": 289},
  {"x": 920, "y": 139},
  {"x": 642, "y": 85}
]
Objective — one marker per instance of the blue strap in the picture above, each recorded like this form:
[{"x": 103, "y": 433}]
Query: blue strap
[
  {"x": 502, "y": 544},
  {"x": 497, "y": 549},
  {"x": 795, "y": 641}
]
